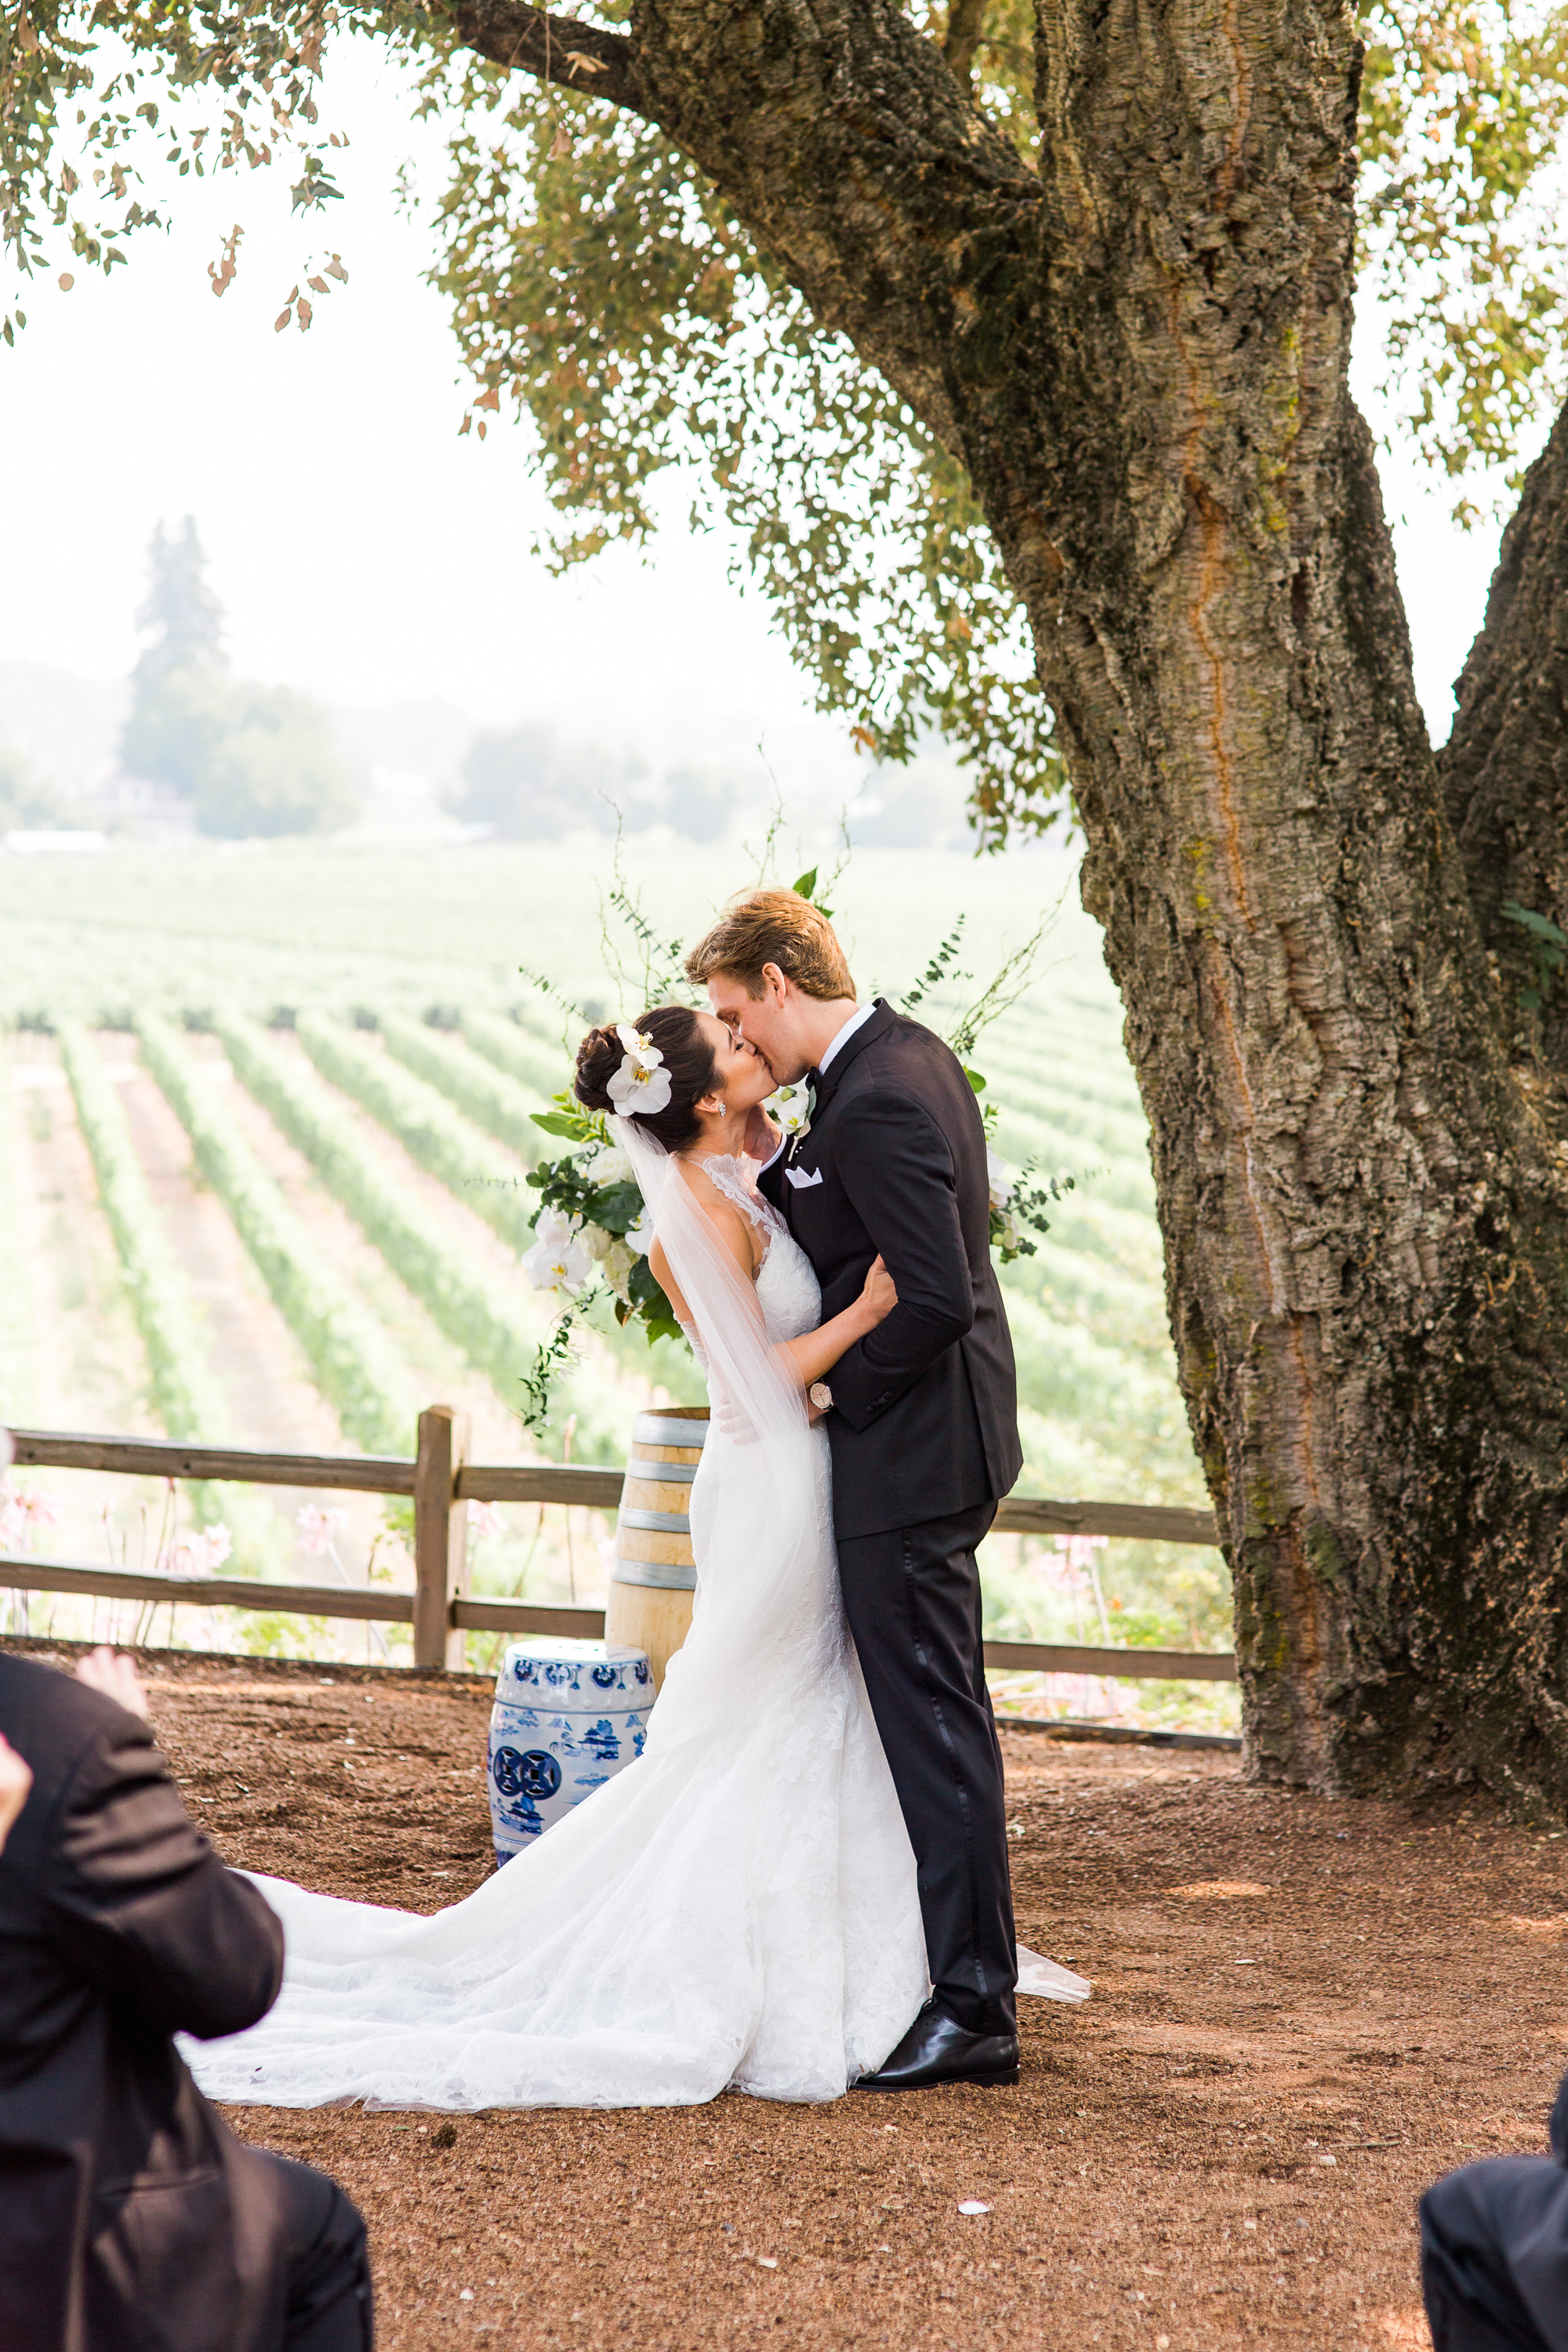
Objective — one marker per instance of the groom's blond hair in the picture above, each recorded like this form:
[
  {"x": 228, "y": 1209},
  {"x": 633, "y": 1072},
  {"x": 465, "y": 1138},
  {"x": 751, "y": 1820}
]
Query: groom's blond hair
[{"x": 761, "y": 926}]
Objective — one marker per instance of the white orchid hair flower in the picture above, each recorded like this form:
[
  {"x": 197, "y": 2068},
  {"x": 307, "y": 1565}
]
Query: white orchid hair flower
[{"x": 642, "y": 1083}]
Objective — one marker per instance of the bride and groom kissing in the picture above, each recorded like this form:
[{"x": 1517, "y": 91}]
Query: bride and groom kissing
[{"x": 802, "y": 1885}]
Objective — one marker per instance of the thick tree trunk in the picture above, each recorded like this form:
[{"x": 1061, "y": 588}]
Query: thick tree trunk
[
  {"x": 1141, "y": 356},
  {"x": 1505, "y": 767},
  {"x": 1363, "y": 1219}
]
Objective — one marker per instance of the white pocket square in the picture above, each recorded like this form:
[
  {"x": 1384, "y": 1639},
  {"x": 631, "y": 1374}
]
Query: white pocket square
[{"x": 798, "y": 1177}]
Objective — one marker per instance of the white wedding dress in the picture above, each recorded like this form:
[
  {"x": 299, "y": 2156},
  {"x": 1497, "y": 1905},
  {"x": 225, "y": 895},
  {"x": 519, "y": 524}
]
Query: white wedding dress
[{"x": 736, "y": 1909}]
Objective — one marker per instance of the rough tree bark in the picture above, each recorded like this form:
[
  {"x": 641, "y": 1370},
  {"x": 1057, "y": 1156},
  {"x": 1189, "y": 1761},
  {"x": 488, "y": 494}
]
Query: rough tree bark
[{"x": 1140, "y": 352}]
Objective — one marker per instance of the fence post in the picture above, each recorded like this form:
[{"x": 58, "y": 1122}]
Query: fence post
[{"x": 440, "y": 1537}]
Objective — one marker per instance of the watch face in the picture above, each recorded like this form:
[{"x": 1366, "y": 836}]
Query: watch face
[{"x": 821, "y": 1395}]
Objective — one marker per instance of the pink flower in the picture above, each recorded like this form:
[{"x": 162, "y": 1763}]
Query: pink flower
[
  {"x": 218, "y": 1543},
  {"x": 319, "y": 1527},
  {"x": 23, "y": 1508},
  {"x": 484, "y": 1519}
]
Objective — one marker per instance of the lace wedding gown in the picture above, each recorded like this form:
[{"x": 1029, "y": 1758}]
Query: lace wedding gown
[{"x": 736, "y": 1909}]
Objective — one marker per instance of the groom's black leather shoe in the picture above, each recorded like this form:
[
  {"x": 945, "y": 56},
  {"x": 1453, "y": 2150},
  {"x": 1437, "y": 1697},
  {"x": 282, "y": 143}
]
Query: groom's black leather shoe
[{"x": 936, "y": 2048}]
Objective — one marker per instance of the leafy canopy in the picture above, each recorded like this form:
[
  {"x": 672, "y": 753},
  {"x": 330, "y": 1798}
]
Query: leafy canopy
[{"x": 599, "y": 284}]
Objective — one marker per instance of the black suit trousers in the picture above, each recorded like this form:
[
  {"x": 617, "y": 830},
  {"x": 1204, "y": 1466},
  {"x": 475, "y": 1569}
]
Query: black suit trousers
[
  {"x": 912, "y": 1597},
  {"x": 1494, "y": 2256}
]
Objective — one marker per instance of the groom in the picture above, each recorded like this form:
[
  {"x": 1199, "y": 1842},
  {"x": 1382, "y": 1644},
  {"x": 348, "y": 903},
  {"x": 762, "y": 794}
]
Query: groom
[{"x": 922, "y": 1419}]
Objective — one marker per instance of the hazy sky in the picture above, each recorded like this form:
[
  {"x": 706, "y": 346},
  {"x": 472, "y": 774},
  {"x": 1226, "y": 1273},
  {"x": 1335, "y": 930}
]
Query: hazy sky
[{"x": 361, "y": 548}]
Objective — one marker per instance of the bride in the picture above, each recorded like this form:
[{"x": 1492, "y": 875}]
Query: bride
[{"x": 738, "y": 1909}]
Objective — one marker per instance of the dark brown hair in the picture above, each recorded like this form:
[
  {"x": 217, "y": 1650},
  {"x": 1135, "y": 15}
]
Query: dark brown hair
[
  {"x": 773, "y": 926},
  {"x": 688, "y": 1057}
]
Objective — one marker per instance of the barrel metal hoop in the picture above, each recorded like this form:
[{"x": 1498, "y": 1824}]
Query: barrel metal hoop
[
  {"x": 662, "y": 1576},
  {"x": 664, "y": 1474},
  {"x": 660, "y": 1431},
  {"x": 656, "y": 1523}
]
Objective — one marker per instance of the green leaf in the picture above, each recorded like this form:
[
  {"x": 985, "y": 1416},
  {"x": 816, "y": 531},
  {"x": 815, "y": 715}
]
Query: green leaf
[
  {"x": 1542, "y": 926},
  {"x": 806, "y": 885},
  {"x": 556, "y": 1122}
]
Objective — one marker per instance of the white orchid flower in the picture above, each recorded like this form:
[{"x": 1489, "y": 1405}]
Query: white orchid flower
[
  {"x": 790, "y": 1107},
  {"x": 640, "y": 1237},
  {"x": 1001, "y": 1182},
  {"x": 641, "y": 1084},
  {"x": 558, "y": 1260}
]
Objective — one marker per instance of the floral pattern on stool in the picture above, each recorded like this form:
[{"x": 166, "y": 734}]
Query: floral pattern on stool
[{"x": 567, "y": 1717}]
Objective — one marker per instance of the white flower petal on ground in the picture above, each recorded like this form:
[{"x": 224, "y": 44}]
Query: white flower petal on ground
[{"x": 972, "y": 2205}]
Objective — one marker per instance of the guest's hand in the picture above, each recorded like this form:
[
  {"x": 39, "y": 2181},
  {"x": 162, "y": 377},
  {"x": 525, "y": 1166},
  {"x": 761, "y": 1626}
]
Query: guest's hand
[
  {"x": 115, "y": 1675},
  {"x": 16, "y": 1780}
]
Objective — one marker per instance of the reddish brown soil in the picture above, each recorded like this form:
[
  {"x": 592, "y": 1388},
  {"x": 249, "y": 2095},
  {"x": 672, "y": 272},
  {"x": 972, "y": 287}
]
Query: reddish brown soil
[{"x": 1303, "y": 2010}]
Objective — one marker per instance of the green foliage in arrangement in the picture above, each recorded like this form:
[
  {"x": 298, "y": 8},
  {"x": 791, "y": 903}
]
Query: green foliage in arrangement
[
  {"x": 355, "y": 1369},
  {"x": 436, "y": 1136},
  {"x": 498, "y": 1104}
]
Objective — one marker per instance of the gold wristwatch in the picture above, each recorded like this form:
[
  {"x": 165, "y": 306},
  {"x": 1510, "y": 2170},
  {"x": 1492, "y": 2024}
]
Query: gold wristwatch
[{"x": 821, "y": 1396}]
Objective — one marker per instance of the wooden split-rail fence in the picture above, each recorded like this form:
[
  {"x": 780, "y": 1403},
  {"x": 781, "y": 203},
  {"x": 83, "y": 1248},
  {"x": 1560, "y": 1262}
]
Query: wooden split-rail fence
[{"x": 442, "y": 1482}]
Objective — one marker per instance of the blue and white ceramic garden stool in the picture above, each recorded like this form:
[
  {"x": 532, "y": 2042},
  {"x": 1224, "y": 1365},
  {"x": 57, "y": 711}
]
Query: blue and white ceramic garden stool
[{"x": 568, "y": 1716}]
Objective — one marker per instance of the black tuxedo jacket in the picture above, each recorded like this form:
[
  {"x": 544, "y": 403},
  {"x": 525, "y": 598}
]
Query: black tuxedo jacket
[
  {"x": 925, "y": 1418},
  {"x": 124, "y": 2221}
]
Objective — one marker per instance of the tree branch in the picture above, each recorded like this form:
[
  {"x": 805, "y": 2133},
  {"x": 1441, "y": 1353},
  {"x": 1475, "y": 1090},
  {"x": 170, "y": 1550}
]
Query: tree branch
[
  {"x": 965, "y": 22},
  {"x": 1505, "y": 767},
  {"x": 583, "y": 58},
  {"x": 854, "y": 158}
]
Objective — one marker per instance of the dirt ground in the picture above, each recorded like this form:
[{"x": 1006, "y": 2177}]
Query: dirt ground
[{"x": 1303, "y": 2010}]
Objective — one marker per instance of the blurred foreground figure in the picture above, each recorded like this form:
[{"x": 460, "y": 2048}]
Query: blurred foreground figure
[
  {"x": 1494, "y": 2251},
  {"x": 131, "y": 2218}
]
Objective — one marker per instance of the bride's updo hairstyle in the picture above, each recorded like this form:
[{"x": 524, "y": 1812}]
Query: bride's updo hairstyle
[{"x": 688, "y": 1057}]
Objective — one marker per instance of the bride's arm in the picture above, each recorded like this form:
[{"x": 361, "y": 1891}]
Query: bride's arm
[{"x": 814, "y": 1352}]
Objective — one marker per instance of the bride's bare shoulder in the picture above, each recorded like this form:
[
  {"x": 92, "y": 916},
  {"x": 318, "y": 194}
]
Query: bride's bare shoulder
[{"x": 728, "y": 1219}]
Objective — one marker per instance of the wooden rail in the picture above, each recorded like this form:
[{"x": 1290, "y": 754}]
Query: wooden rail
[{"x": 441, "y": 1479}]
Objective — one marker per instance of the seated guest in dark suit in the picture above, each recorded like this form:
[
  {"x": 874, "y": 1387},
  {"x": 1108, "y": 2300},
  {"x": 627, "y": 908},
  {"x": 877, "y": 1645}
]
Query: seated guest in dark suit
[
  {"x": 131, "y": 2219},
  {"x": 1494, "y": 2251}
]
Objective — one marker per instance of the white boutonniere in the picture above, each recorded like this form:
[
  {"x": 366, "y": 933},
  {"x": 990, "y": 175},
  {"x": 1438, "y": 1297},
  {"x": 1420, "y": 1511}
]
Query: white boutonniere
[{"x": 792, "y": 1109}]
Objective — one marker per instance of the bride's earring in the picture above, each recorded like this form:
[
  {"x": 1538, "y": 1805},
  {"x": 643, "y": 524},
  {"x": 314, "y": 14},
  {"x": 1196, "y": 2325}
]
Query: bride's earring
[{"x": 724, "y": 1111}]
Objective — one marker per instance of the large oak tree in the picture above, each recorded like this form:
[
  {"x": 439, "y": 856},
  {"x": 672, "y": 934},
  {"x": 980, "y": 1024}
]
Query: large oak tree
[{"x": 1029, "y": 336}]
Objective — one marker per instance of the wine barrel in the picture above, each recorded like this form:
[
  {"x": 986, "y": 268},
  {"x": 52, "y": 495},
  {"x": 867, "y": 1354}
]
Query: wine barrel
[{"x": 654, "y": 1580}]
